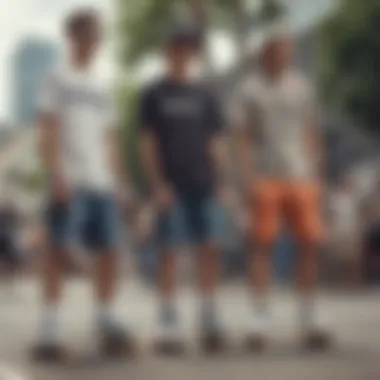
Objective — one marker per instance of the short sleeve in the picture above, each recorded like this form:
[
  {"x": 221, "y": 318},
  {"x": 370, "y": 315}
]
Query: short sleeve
[
  {"x": 48, "y": 101},
  {"x": 147, "y": 116}
]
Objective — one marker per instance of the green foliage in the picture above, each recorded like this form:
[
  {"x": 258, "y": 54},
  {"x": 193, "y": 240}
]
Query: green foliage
[
  {"x": 350, "y": 61},
  {"x": 271, "y": 11},
  {"x": 143, "y": 23}
]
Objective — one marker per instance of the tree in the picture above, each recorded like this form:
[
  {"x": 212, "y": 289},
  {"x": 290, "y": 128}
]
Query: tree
[
  {"x": 350, "y": 61},
  {"x": 142, "y": 23}
]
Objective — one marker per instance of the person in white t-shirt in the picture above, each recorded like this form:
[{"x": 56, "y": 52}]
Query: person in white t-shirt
[
  {"x": 78, "y": 148},
  {"x": 275, "y": 124}
]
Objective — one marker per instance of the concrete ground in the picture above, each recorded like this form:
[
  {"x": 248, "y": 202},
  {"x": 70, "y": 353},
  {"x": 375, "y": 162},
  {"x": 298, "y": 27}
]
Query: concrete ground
[{"x": 354, "y": 318}]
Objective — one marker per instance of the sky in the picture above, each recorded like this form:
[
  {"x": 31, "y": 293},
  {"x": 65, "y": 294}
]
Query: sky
[{"x": 23, "y": 18}]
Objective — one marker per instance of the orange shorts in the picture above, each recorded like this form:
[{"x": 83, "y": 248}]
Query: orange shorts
[{"x": 294, "y": 203}]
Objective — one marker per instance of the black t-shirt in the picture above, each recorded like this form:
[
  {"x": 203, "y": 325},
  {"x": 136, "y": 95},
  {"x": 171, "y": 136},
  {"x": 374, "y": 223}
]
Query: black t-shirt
[{"x": 183, "y": 117}]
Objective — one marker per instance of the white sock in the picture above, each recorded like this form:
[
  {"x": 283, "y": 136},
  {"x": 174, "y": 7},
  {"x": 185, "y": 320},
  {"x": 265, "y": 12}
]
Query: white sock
[
  {"x": 104, "y": 316},
  {"x": 311, "y": 316},
  {"x": 261, "y": 305},
  {"x": 167, "y": 312},
  {"x": 208, "y": 312},
  {"x": 49, "y": 329}
]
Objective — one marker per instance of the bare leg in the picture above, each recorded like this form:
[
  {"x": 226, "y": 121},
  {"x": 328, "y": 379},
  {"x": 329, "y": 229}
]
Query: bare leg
[
  {"x": 209, "y": 268},
  {"x": 52, "y": 285},
  {"x": 209, "y": 271},
  {"x": 53, "y": 277},
  {"x": 106, "y": 277},
  {"x": 307, "y": 269},
  {"x": 167, "y": 274},
  {"x": 260, "y": 271},
  {"x": 169, "y": 340}
]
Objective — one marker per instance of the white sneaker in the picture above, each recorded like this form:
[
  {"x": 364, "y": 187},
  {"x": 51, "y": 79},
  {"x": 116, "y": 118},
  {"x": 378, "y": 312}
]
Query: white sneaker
[
  {"x": 315, "y": 332},
  {"x": 258, "y": 331},
  {"x": 169, "y": 340},
  {"x": 317, "y": 321}
]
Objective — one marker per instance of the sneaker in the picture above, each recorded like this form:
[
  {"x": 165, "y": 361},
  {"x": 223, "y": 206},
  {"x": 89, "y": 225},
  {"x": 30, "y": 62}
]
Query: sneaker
[
  {"x": 317, "y": 340},
  {"x": 51, "y": 353},
  {"x": 169, "y": 341},
  {"x": 257, "y": 333},
  {"x": 315, "y": 333},
  {"x": 117, "y": 342},
  {"x": 212, "y": 341}
]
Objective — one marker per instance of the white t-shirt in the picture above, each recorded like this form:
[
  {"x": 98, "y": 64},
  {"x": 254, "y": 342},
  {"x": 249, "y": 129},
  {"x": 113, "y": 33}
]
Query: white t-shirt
[
  {"x": 278, "y": 114},
  {"x": 83, "y": 103}
]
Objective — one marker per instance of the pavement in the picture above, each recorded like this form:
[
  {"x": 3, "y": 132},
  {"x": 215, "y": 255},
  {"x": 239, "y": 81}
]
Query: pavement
[{"x": 354, "y": 318}]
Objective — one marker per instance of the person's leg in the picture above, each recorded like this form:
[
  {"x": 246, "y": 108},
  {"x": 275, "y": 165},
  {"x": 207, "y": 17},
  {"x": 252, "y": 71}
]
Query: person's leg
[
  {"x": 198, "y": 216},
  {"x": 168, "y": 239},
  {"x": 100, "y": 232},
  {"x": 307, "y": 225},
  {"x": 56, "y": 252},
  {"x": 266, "y": 206},
  {"x": 101, "y": 229},
  {"x": 169, "y": 224}
]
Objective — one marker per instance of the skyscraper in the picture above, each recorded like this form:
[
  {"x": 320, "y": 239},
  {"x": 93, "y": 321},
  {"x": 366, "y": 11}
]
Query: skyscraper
[{"x": 32, "y": 58}]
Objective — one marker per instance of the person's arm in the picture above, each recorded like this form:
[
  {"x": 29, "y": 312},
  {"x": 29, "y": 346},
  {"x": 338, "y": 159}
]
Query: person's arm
[
  {"x": 313, "y": 137},
  {"x": 151, "y": 159},
  {"x": 150, "y": 152},
  {"x": 244, "y": 155},
  {"x": 218, "y": 142},
  {"x": 243, "y": 137},
  {"x": 49, "y": 139},
  {"x": 119, "y": 167}
]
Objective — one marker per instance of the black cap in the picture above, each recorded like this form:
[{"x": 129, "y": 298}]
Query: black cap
[{"x": 188, "y": 35}]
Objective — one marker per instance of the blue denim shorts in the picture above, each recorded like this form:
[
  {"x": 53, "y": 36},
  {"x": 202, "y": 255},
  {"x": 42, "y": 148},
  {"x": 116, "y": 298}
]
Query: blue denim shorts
[
  {"x": 89, "y": 218},
  {"x": 192, "y": 219}
]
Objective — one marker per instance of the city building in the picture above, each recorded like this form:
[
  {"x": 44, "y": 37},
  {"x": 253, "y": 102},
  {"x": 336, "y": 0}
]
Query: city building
[{"x": 31, "y": 60}]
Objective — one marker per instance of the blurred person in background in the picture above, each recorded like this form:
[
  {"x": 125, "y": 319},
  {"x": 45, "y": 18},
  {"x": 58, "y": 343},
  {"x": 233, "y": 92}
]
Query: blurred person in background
[
  {"x": 80, "y": 151},
  {"x": 182, "y": 152},
  {"x": 345, "y": 234},
  {"x": 10, "y": 247},
  {"x": 275, "y": 124}
]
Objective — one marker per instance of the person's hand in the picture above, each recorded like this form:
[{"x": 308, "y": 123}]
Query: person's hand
[
  {"x": 227, "y": 196},
  {"x": 126, "y": 198},
  {"x": 163, "y": 196},
  {"x": 60, "y": 189}
]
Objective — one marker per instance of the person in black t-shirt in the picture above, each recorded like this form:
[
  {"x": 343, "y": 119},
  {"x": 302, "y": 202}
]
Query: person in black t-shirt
[{"x": 181, "y": 147}]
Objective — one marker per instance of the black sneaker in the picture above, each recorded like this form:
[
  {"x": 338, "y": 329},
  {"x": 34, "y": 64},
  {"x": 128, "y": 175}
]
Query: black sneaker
[
  {"x": 212, "y": 341},
  {"x": 168, "y": 347},
  {"x": 169, "y": 341},
  {"x": 317, "y": 340},
  {"x": 116, "y": 342},
  {"x": 51, "y": 353},
  {"x": 256, "y": 343}
]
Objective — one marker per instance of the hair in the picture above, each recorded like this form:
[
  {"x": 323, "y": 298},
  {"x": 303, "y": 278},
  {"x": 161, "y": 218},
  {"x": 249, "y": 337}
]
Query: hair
[{"x": 80, "y": 19}]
